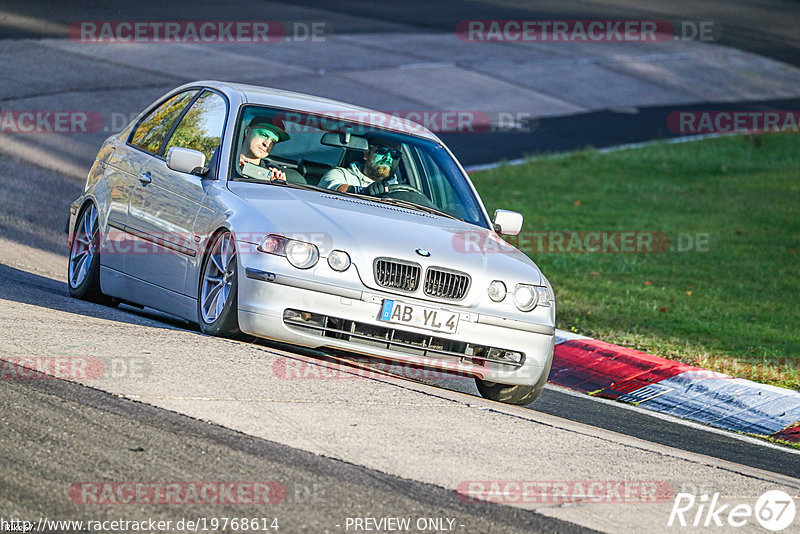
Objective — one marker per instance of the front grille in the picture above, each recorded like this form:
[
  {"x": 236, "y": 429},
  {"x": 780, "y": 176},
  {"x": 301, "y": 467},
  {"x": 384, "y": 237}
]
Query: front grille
[
  {"x": 397, "y": 274},
  {"x": 446, "y": 284},
  {"x": 364, "y": 335}
]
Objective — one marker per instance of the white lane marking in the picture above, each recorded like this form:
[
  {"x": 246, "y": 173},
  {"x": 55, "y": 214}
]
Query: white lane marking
[
  {"x": 685, "y": 422},
  {"x": 289, "y": 401},
  {"x": 677, "y": 420},
  {"x": 563, "y": 335}
]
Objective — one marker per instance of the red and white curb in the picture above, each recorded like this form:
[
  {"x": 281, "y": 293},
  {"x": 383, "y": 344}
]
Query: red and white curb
[{"x": 612, "y": 372}]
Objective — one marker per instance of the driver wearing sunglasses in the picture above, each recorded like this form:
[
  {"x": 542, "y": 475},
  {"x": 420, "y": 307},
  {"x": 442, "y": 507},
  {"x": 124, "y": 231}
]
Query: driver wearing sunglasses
[{"x": 370, "y": 177}]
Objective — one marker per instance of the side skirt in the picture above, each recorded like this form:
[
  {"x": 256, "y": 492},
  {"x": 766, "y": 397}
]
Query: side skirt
[{"x": 125, "y": 287}]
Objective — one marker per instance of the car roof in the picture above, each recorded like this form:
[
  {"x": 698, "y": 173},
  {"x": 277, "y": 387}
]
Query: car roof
[{"x": 267, "y": 96}]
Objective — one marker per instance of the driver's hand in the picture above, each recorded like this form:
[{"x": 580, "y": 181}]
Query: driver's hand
[
  {"x": 374, "y": 189},
  {"x": 276, "y": 174}
]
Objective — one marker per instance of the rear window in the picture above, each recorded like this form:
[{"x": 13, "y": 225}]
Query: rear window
[{"x": 154, "y": 128}]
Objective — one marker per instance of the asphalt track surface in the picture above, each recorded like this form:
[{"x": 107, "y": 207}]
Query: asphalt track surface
[
  {"x": 178, "y": 444},
  {"x": 600, "y": 129},
  {"x": 768, "y": 28},
  {"x": 143, "y": 443},
  {"x": 634, "y": 422},
  {"x": 146, "y": 443},
  {"x": 44, "y": 228},
  {"x": 56, "y": 433},
  {"x": 764, "y": 27}
]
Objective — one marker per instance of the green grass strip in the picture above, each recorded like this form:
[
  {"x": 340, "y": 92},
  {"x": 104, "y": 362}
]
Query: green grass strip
[{"x": 721, "y": 288}]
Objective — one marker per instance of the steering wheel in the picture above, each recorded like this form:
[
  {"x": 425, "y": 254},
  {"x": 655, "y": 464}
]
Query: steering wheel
[
  {"x": 407, "y": 192},
  {"x": 396, "y": 188}
]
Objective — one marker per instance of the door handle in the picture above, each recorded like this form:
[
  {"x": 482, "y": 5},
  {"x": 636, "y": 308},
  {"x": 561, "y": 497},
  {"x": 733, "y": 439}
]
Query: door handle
[{"x": 145, "y": 178}]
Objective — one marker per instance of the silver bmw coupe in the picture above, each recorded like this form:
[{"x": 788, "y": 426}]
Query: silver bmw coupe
[{"x": 317, "y": 223}]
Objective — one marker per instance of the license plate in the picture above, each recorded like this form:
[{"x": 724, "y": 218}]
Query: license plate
[{"x": 436, "y": 319}]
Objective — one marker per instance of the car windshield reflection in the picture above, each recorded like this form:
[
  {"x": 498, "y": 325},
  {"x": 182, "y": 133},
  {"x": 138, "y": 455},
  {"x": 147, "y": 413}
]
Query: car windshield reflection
[{"x": 306, "y": 151}]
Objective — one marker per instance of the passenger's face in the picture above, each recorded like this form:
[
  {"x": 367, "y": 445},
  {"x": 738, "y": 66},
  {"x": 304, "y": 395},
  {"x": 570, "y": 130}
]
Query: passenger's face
[{"x": 258, "y": 142}]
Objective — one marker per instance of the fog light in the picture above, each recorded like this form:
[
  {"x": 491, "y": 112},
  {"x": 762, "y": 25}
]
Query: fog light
[
  {"x": 497, "y": 291},
  {"x": 339, "y": 260},
  {"x": 507, "y": 355}
]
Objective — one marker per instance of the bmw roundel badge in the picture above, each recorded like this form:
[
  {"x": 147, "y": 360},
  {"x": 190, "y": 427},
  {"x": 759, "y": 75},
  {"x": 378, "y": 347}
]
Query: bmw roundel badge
[{"x": 422, "y": 252}]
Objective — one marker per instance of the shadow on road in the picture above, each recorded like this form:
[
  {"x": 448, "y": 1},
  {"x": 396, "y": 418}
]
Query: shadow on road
[
  {"x": 37, "y": 290},
  {"x": 30, "y": 288},
  {"x": 34, "y": 205}
]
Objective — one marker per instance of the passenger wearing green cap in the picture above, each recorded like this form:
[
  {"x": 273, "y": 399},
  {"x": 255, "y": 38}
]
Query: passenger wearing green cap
[{"x": 259, "y": 138}]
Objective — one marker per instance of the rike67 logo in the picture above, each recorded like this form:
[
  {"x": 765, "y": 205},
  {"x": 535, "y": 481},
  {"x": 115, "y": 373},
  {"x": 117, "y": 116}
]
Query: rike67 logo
[{"x": 774, "y": 510}]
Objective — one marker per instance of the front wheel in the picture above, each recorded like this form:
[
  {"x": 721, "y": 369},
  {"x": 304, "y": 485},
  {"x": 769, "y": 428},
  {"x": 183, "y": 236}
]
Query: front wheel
[
  {"x": 218, "y": 295},
  {"x": 519, "y": 395}
]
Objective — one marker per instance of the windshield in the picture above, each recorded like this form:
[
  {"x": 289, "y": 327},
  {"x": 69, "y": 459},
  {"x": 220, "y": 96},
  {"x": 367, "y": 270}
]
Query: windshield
[{"x": 273, "y": 146}]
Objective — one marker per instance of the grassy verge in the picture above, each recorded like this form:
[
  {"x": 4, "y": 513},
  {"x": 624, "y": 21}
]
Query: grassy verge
[{"x": 720, "y": 289}]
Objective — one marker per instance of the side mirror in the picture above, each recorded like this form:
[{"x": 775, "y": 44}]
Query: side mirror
[
  {"x": 507, "y": 222},
  {"x": 345, "y": 140},
  {"x": 186, "y": 160}
]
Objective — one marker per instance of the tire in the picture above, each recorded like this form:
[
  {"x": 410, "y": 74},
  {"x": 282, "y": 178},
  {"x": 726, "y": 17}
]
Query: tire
[
  {"x": 519, "y": 395},
  {"x": 217, "y": 295},
  {"x": 83, "y": 270}
]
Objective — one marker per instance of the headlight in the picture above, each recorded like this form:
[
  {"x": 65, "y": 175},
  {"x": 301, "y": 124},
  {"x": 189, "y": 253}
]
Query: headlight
[
  {"x": 497, "y": 291},
  {"x": 273, "y": 244},
  {"x": 299, "y": 253},
  {"x": 525, "y": 297},
  {"x": 339, "y": 260}
]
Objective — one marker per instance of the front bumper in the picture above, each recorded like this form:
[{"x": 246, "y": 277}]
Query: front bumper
[{"x": 271, "y": 304}]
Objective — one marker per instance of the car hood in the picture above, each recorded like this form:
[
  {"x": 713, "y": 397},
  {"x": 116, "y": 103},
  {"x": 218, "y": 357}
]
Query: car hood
[{"x": 367, "y": 230}]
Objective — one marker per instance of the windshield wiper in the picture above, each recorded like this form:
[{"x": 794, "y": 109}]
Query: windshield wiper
[
  {"x": 294, "y": 185},
  {"x": 415, "y": 206},
  {"x": 395, "y": 201}
]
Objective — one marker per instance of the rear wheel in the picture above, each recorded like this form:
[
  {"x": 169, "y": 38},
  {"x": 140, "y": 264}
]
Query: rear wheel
[
  {"x": 83, "y": 274},
  {"x": 218, "y": 300}
]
